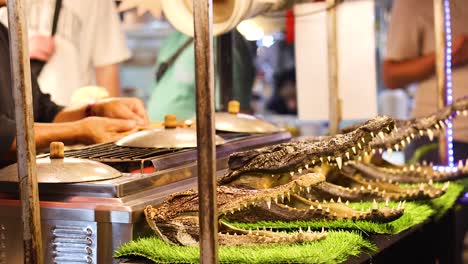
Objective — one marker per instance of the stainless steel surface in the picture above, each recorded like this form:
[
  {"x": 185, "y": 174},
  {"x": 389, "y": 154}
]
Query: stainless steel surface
[
  {"x": 243, "y": 123},
  {"x": 164, "y": 138},
  {"x": 334, "y": 111},
  {"x": 26, "y": 147},
  {"x": 107, "y": 212},
  {"x": 170, "y": 167},
  {"x": 67, "y": 170},
  {"x": 206, "y": 156},
  {"x": 441, "y": 71}
]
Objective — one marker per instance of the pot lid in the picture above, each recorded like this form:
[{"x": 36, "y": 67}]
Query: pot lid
[
  {"x": 57, "y": 169},
  {"x": 171, "y": 136},
  {"x": 233, "y": 121}
]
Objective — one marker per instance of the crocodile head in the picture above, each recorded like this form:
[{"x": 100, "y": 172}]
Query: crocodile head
[
  {"x": 430, "y": 126},
  {"x": 176, "y": 219},
  {"x": 300, "y": 157}
]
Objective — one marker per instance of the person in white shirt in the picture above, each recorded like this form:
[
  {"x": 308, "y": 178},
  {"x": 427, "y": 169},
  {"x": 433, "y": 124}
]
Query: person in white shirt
[
  {"x": 410, "y": 59},
  {"x": 86, "y": 49}
]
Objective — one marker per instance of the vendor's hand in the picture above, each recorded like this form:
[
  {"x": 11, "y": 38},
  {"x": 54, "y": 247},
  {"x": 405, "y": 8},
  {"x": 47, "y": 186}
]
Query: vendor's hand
[
  {"x": 101, "y": 129},
  {"x": 122, "y": 108},
  {"x": 460, "y": 50},
  {"x": 41, "y": 47}
]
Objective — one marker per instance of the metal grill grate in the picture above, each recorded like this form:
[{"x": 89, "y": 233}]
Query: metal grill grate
[{"x": 112, "y": 152}]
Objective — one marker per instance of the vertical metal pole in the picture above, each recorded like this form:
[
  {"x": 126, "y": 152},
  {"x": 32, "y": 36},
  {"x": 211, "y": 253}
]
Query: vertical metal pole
[
  {"x": 26, "y": 147},
  {"x": 334, "y": 100},
  {"x": 441, "y": 71},
  {"x": 225, "y": 68},
  {"x": 204, "y": 77}
]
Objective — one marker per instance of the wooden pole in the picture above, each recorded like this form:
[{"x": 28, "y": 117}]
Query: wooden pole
[
  {"x": 204, "y": 77},
  {"x": 334, "y": 100},
  {"x": 441, "y": 72},
  {"x": 26, "y": 147}
]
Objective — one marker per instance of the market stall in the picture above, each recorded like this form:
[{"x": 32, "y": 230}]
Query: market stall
[{"x": 236, "y": 185}]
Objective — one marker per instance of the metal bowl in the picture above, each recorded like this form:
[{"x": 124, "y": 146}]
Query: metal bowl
[
  {"x": 243, "y": 123},
  {"x": 164, "y": 138},
  {"x": 66, "y": 170}
]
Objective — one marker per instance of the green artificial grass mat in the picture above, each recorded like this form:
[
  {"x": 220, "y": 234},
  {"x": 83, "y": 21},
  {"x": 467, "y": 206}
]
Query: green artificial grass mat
[
  {"x": 415, "y": 213},
  {"x": 336, "y": 248}
]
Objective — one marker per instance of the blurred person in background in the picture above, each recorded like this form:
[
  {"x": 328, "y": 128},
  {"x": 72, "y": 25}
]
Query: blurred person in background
[
  {"x": 86, "y": 49},
  {"x": 173, "y": 92},
  {"x": 410, "y": 59},
  {"x": 284, "y": 99},
  {"x": 103, "y": 121}
]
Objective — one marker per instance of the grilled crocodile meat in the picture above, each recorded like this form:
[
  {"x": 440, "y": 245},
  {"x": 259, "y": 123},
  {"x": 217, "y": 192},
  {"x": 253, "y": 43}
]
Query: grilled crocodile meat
[
  {"x": 384, "y": 171},
  {"x": 176, "y": 220},
  {"x": 429, "y": 125},
  {"x": 293, "y": 157}
]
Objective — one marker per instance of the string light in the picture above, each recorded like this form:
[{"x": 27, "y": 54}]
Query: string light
[{"x": 448, "y": 71}]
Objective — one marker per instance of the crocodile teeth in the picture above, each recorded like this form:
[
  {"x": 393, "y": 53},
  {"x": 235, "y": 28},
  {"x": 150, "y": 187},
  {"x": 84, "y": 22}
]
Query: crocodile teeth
[
  {"x": 308, "y": 229},
  {"x": 339, "y": 161},
  {"x": 268, "y": 202},
  {"x": 412, "y": 135},
  {"x": 399, "y": 206},
  {"x": 411, "y": 167},
  {"x": 465, "y": 112},
  {"x": 386, "y": 202},
  {"x": 381, "y": 135},
  {"x": 375, "y": 206},
  {"x": 288, "y": 195},
  {"x": 441, "y": 123},
  {"x": 397, "y": 147},
  {"x": 354, "y": 150},
  {"x": 339, "y": 199},
  {"x": 437, "y": 126},
  {"x": 332, "y": 201},
  {"x": 373, "y": 151},
  {"x": 299, "y": 170},
  {"x": 306, "y": 166},
  {"x": 276, "y": 200},
  {"x": 313, "y": 162},
  {"x": 430, "y": 134},
  {"x": 319, "y": 207},
  {"x": 311, "y": 207},
  {"x": 250, "y": 231},
  {"x": 347, "y": 155},
  {"x": 460, "y": 165},
  {"x": 359, "y": 158},
  {"x": 347, "y": 202},
  {"x": 327, "y": 210},
  {"x": 363, "y": 140},
  {"x": 300, "y": 230},
  {"x": 376, "y": 189},
  {"x": 403, "y": 205},
  {"x": 359, "y": 145},
  {"x": 372, "y": 134},
  {"x": 403, "y": 143},
  {"x": 291, "y": 173},
  {"x": 431, "y": 182},
  {"x": 421, "y": 133},
  {"x": 362, "y": 188},
  {"x": 390, "y": 151},
  {"x": 369, "y": 187},
  {"x": 380, "y": 150},
  {"x": 321, "y": 159}
]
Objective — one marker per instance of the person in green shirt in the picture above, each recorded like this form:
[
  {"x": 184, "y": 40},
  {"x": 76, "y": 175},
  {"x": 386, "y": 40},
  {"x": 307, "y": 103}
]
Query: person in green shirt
[{"x": 174, "y": 91}]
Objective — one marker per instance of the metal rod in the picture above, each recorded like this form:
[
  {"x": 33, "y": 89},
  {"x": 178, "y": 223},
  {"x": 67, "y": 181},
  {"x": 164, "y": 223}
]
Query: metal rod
[
  {"x": 333, "y": 96},
  {"x": 26, "y": 147},
  {"x": 225, "y": 68},
  {"x": 206, "y": 155},
  {"x": 441, "y": 72}
]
